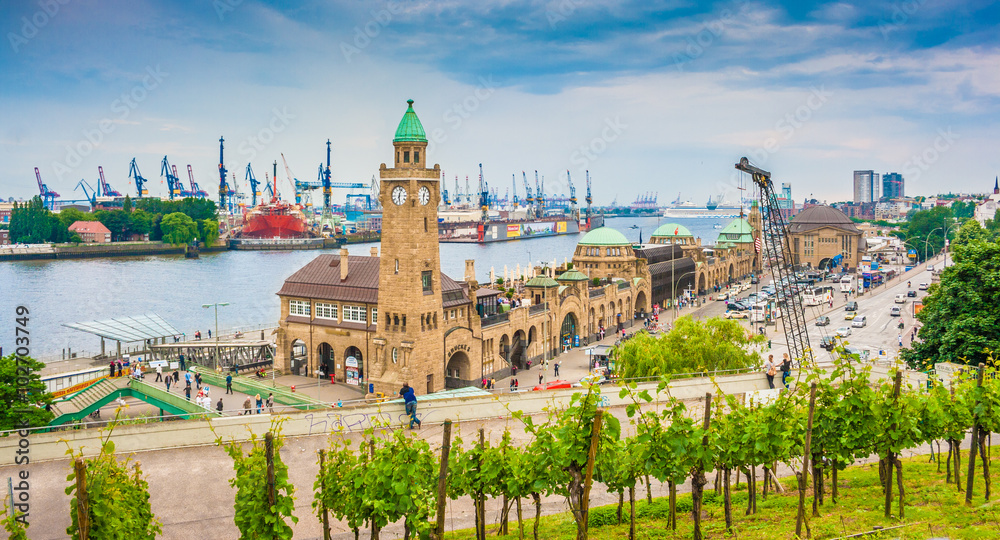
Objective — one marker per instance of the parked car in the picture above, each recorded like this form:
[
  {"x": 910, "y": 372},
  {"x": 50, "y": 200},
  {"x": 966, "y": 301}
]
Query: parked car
[
  {"x": 843, "y": 331},
  {"x": 722, "y": 296},
  {"x": 895, "y": 311},
  {"x": 850, "y": 315},
  {"x": 822, "y": 320},
  {"x": 922, "y": 286},
  {"x": 911, "y": 293},
  {"x": 851, "y": 306},
  {"x": 900, "y": 299},
  {"x": 860, "y": 321}
]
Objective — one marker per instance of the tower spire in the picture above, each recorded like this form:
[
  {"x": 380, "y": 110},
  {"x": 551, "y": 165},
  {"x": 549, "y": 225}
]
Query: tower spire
[{"x": 996, "y": 185}]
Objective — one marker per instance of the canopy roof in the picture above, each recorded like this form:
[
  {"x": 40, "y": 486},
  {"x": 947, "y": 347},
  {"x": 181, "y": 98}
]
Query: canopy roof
[{"x": 126, "y": 329}]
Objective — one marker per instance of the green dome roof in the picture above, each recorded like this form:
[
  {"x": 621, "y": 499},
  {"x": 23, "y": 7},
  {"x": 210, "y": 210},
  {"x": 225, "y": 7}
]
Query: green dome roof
[
  {"x": 572, "y": 275},
  {"x": 541, "y": 281},
  {"x": 671, "y": 229},
  {"x": 410, "y": 129},
  {"x": 738, "y": 231},
  {"x": 604, "y": 236}
]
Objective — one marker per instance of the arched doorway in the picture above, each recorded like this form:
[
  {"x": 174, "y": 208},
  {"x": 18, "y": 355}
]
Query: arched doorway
[
  {"x": 504, "y": 350},
  {"x": 569, "y": 329},
  {"x": 701, "y": 282},
  {"x": 324, "y": 357},
  {"x": 732, "y": 272},
  {"x": 640, "y": 302},
  {"x": 457, "y": 372},
  {"x": 354, "y": 366},
  {"x": 299, "y": 358},
  {"x": 519, "y": 350}
]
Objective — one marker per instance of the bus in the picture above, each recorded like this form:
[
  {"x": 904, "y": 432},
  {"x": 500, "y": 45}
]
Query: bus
[
  {"x": 764, "y": 312},
  {"x": 846, "y": 283},
  {"x": 816, "y": 296}
]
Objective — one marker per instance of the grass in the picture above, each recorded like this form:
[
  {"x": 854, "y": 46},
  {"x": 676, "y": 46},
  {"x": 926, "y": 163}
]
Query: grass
[{"x": 933, "y": 509}]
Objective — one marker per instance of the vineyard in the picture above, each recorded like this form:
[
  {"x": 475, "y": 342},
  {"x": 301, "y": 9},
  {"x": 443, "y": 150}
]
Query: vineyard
[{"x": 830, "y": 421}]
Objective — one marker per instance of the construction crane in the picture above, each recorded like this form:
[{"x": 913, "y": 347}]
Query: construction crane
[
  {"x": 223, "y": 187},
  {"x": 589, "y": 199},
  {"x": 326, "y": 180},
  {"x": 172, "y": 188},
  {"x": 103, "y": 188},
  {"x": 48, "y": 196},
  {"x": 136, "y": 176},
  {"x": 254, "y": 192},
  {"x": 92, "y": 196},
  {"x": 198, "y": 192},
  {"x": 298, "y": 186},
  {"x": 779, "y": 253},
  {"x": 484, "y": 205}
]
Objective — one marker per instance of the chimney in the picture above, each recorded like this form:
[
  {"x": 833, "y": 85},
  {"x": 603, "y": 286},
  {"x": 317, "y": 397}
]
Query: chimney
[
  {"x": 374, "y": 251},
  {"x": 470, "y": 270},
  {"x": 343, "y": 264}
]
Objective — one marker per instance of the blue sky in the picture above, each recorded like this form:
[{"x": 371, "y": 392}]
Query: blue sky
[{"x": 661, "y": 96}]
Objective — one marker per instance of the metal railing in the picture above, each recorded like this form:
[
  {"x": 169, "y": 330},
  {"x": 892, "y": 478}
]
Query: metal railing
[
  {"x": 538, "y": 308},
  {"x": 495, "y": 319},
  {"x": 595, "y": 293}
]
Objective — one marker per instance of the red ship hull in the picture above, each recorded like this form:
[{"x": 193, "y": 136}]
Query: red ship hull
[{"x": 278, "y": 225}]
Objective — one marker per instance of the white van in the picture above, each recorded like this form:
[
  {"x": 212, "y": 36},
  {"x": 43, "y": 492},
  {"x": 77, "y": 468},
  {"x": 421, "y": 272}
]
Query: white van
[{"x": 900, "y": 299}]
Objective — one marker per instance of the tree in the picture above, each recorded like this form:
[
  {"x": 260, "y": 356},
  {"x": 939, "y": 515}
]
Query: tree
[
  {"x": 263, "y": 502},
  {"x": 119, "y": 222},
  {"x": 692, "y": 346},
  {"x": 961, "y": 317},
  {"x": 178, "y": 229},
  {"x": 32, "y": 223},
  {"x": 142, "y": 222},
  {"x": 23, "y": 395},
  {"x": 127, "y": 205},
  {"x": 69, "y": 216},
  {"x": 209, "y": 231},
  {"x": 926, "y": 228}
]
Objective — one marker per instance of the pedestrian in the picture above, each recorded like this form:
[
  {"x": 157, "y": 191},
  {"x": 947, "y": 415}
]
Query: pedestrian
[
  {"x": 516, "y": 384},
  {"x": 219, "y": 406},
  {"x": 246, "y": 406},
  {"x": 187, "y": 392},
  {"x": 557, "y": 368},
  {"x": 493, "y": 384},
  {"x": 111, "y": 368},
  {"x": 197, "y": 379},
  {"x": 512, "y": 385},
  {"x": 177, "y": 376},
  {"x": 159, "y": 373},
  {"x": 187, "y": 378},
  {"x": 270, "y": 402},
  {"x": 209, "y": 333},
  {"x": 259, "y": 403},
  {"x": 770, "y": 369},
  {"x": 340, "y": 403},
  {"x": 183, "y": 363},
  {"x": 528, "y": 364},
  {"x": 168, "y": 382},
  {"x": 539, "y": 378},
  {"x": 900, "y": 336},
  {"x": 513, "y": 371},
  {"x": 229, "y": 383},
  {"x": 786, "y": 370},
  {"x": 410, "y": 402},
  {"x": 484, "y": 383}
]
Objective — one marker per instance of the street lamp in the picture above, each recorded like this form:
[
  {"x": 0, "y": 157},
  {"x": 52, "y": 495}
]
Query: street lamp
[
  {"x": 946, "y": 232},
  {"x": 216, "y": 306},
  {"x": 673, "y": 285},
  {"x": 926, "y": 240}
]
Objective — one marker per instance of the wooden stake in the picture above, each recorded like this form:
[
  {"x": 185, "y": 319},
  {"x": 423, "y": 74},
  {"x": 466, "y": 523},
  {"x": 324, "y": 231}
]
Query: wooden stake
[
  {"x": 595, "y": 435},
  {"x": 804, "y": 479},
  {"x": 322, "y": 488},
  {"x": 971, "y": 475},
  {"x": 82, "y": 501},
  {"x": 442, "y": 480}
]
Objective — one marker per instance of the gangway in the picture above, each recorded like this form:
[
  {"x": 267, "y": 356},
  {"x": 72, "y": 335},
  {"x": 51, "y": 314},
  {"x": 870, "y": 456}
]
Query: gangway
[{"x": 106, "y": 390}]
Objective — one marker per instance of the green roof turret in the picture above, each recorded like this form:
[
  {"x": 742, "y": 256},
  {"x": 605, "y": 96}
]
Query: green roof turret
[{"x": 410, "y": 129}]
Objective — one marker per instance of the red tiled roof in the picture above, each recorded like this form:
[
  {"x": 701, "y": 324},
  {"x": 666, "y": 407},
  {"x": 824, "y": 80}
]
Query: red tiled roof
[{"x": 95, "y": 227}]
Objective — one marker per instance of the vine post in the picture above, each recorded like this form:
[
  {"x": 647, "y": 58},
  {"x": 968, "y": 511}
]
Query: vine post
[
  {"x": 801, "y": 519},
  {"x": 325, "y": 510},
  {"x": 443, "y": 480},
  {"x": 890, "y": 459},
  {"x": 698, "y": 478},
  {"x": 971, "y": 475},
  {"x": 269, "y": 456},
  {"x": 82, "y": 502},
  {"x": 595, "y": 435},
  {"x": 480, "y": 496}
]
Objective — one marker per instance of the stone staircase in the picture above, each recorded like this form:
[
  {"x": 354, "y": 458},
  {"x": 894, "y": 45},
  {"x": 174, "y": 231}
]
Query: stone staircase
[{"x": 88, "y": 396}]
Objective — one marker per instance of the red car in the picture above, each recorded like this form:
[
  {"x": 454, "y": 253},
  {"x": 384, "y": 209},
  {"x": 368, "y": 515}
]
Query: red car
[{"x": 553, "y": 385}]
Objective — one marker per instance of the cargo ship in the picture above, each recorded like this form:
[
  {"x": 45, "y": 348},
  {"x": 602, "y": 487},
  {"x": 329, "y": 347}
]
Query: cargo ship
[
  {"x": 454, "y": 227},
  {"x": 275, "y": 225}
]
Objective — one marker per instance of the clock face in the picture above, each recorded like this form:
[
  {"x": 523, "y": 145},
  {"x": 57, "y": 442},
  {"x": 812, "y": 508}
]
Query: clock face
[
  {"x": 399, "y": 195},
  {"x": 425, "y": 195}
]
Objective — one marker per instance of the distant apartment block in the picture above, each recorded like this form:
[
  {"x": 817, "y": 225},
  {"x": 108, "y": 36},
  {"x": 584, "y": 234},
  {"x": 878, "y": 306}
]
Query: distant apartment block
[
  {"x": 892, "y": 186},
  {"x": 866, "y": 187}
]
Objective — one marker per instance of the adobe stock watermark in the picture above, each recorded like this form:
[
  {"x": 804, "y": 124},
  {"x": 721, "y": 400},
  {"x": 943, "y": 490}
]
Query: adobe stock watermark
[
  {"x": 790, "y": 123},
  {"x": 123, "y": 107},
  {"x": 914, "y": 167},
  {"x": 280, "y": 120},
  {"x": 224, "y": 7},
  {"x": 696, "y": 45},
  {"x": 901, "y": 13},
  {"x": 363, "y": 35},
  {"x": 588, "y": 153},
  {"x": 462, "y": 110},
  {"x": 31, "y": 26},
  {"x": 561, "y": 11}
]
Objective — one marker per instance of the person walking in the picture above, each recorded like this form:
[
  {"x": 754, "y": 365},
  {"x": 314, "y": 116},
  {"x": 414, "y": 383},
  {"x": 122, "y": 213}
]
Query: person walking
[
  {"x": 786, "y": 370},
  {"x": 246, "y": 406},
  {"x": 159, "y": 373},
  {"x": 229, "y": 383},
  {"x": 177, "y": 376},
  {"x": 539, "y": 378},
  {"x": 187, "y": 392},
  {"x": 187, "y": 378},
  {"x": 259, "y": 403},
  {"x": 197, "y": 380},
  {"x": 111, "y": 368},
  {"x": 219, "y": 406},
  {"x": 770, "y": 369},
  {"x": 516, "y": 384},
  {"x": 410, "y": 402},
  {"x": 900, "y": 337},
  {"x": 183, "y": 363},
  {"x": 512, "y": 385},
  {"x": 270, "y": 402},
  {"x": 557, "y": 368},
  {"x": 167, "y": 380}
]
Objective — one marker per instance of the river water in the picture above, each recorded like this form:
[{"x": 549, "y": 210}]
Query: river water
[{"x": 65, "y": 291}]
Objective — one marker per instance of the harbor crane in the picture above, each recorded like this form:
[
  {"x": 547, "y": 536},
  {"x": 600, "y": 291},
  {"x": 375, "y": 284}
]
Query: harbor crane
[
  {"x": 223, "y": 187},
  {"x": 484, "y": 195},
  {"x": 48, "y": 196},
  {"x": 136, "y": 176},
  {"x": 173, "y": 189},
  {"x": 513, "y": 181},
  {"x": 198, "y": 192},
  {"x": 444, "y": 191},
  {"x": 91, "y": 196},
  {"x": 180, "y": 184},
  {"x": 589, "y": 199},
  {"x": 574, "y": 211},
  {"x": 103, "y": 188},
  {"x": 539, "y": 196},
  {"x": 777, "y": 250},
  {"x": 326, "y": 180},
  {"x": 254, "y": 192}
]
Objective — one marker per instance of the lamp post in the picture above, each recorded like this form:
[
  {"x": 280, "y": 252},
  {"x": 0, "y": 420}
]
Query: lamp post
[
  {"x": 216, "y": 306},
  {"x": 673, "y": 285},
  {"x": 928, "y": 239},
  {"x": 946, "y": 232}
]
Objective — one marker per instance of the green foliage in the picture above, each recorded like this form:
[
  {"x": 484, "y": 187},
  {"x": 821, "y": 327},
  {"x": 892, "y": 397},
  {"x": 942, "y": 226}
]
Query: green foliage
[
  {"x": 15, "y": 524},
  {"x": 117, "y": 495},
  {"x": 691, "y": 346},
  {"x": 119, "y": 222},
  {"x": 178, "y": 229},
  {"x": 209, "y": 229},
  {"x": 69, "y": 216},
  {"x": 127, "y": 204},
  {"x": 32, "y": 223},
  {"x": 335, "y": 485},
  {"x": 255, "y": 516},
  {"x": 963, "y": 209},
  {"x": 925, "y": 230},
  {"x": 596, "y": 282},
  {"x": 23, "y": 396}
]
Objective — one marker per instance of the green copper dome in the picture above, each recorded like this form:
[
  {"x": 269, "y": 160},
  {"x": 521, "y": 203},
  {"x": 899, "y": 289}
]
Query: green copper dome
[
  {"x": 738, "y": 231},
  {"x": 670, "y": 230},
  {"x": 572, "y": 275},
  {"x": 604, "y": 236},
  {"x": 541, "y": 281},
  {"x": 410, "y": 129}
]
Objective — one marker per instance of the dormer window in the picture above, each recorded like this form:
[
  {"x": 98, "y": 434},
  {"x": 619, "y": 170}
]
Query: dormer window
[
  {"x": 416, "y": 156},
  {"x": 406, "y": 156}
]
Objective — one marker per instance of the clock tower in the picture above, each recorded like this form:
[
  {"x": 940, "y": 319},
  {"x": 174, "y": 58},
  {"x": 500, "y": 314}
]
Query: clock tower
[{"x": 408, "y": 339}]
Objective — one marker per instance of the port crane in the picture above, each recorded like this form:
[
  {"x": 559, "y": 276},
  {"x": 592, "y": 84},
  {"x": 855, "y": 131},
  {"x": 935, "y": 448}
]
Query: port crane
[
  {"x": 513, "y": 181},
  {"x": 444, "y": 191},
  {"x": 484, "y": 205},
  {"x": 172, "y": 188},
  {"x": 103, "y": 188},
  {"x": 198, "y": 192},
  {"x": 48, "y": 196},
  {"x": 254, "y": 192},
  {"x": 180, "y": 184},
  {"x": 326, "y": 180},
  {"x": 589, "y": 199},
  {"x": 136, "y": 176},
  {"x": 223, "y": 187},
  {"x": 779, "y": 253},
  {"x": 539, "y": 196},
  {"x": 91, "y": 196},
  {"x": 572, "y": 197}
]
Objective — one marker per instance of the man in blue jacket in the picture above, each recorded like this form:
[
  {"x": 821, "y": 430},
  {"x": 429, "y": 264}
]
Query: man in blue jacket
[{"x": 410, "y": 399}]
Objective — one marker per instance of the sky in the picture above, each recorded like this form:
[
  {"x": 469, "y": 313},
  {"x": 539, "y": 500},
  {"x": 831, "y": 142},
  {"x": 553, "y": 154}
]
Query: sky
[{"x": 649, "y": 96}]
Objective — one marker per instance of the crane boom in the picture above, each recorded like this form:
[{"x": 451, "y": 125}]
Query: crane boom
[
  {"x": 513, "y": 181},
  {"x": 326, "y": 180},
  {"x": 140, "y": 182},
  {"x": 223, "y": 187},
  {"x": 590, "y": 199},
  {"x": 254, "y": 192},
  {"x": 484, "y": 205},
  {"x": 91, "y": 196},
  {"x": 778, "y": 252}
]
